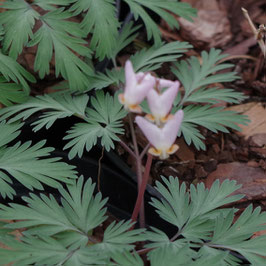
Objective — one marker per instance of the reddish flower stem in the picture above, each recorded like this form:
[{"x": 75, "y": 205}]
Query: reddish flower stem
[
  {"x": 142, "y": 189},
  {"x": 138, "y": 168}
]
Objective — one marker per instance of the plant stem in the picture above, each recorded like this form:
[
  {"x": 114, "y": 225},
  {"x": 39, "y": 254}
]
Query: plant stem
[
  {"x": 142, "y": 189},
  {"x": 145, "y": 150},
  {"x": 138, "y": 167},
  {"x": 125, "y": 146},
  {"x": 99, "y": 171}
]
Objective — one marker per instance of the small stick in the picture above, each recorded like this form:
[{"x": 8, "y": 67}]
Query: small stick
[{"x": 256, "y": 32}]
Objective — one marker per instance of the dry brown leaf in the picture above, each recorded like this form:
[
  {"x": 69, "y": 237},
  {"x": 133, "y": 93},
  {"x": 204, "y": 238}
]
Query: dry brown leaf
[{"x": 257, "y": 116}]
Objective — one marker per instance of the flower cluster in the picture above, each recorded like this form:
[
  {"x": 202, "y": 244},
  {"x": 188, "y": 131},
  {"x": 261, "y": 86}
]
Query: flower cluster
[{"x": 159, "y": 127}]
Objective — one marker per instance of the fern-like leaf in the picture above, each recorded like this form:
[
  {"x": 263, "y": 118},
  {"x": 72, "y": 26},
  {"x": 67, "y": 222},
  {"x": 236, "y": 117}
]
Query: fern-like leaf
[
  {"x": 152, "y": 58},
  {"x": 62, "y": 36},
  {"x": 100, "y": 20},
  {"x": 127, "y": 258},
  {"x": 8, "y": 132},
  {"x": 11, "y": 70},
  {"x": 102, "y": 80},
  {"x": 103, "y": 121},
  {"x": 45, "y": 250},
  {"x": 172, "y": 255},
  {"x": 213, "y": 118},
  {"x": 11, "y": 93},
  {"x": 215, "y": 95},
  {"x": 118, "y": 238},
  {"x": 27, "y": 165},
  {"x": 125, "y": 37},
  {"x": 18, "y": 20},
  {"x": 52, "y": 4},
  {"x": 236, "y": 236},
  {"x": 80, "y": 212},
  {"x": 66, "y": 229},
  {"x": 57, "y": 106},
  {"x": 162, "y": 8},
  {"x": 194, "y": 74},
  {"x": 189, "y": 207}
]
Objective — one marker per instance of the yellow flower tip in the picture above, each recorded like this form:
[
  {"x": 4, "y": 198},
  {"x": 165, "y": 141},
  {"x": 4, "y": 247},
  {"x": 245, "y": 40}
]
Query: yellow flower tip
[
  {"x": 150, "y": 117},
  {"x": 154, "y": 152},
  {"x": 121, "y": 98},
  {"x": 135, "y": 109},
  {"x": 166, "y": 118},
  {"x": 174, "y": 148}
]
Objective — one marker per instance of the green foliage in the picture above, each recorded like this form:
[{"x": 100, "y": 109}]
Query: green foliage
[
  {"x": 201, "y": 224},
  {"x": 161, "y": 8},
  {"x": 100, "y": 20},
  {"x": 63, "y": 234},
  {"x": 103, "y": 121},
  {"x": 57, "y": 106},
  {"x": 61, "y": 36},
  {"x": 144, "y": 60},
  {"x": 19, "y": 19},
  {"x": 11, "y": 93},
  {"x": 29, "y": 164},
  {"x": 62, "y": 40},
  {"x": 56, "y": 35},
  {"x": 196, "y": 77},
  {"x": 213, "y": 118},
  {"x": 11, "y": 70}
]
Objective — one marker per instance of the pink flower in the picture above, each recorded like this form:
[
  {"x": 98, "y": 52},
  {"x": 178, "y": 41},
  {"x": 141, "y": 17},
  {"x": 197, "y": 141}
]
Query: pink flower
[
  {"x": 136, "y": 88},
  {"x": 161, "y": 104},
  {"x": 162, "y": 139}
]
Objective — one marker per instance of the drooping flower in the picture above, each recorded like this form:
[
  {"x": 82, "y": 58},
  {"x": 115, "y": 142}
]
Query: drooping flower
[
  {"x": 136, "y": 88},
  {"x": 160, "y": 104},
  {"x": 162, "y": 139}
]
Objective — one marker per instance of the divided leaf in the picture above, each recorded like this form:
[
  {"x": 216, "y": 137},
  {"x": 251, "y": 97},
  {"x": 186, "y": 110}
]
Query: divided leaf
[
  {"x": 11, "y": 93},
  {"x": 61, "y": 106},
  {"x": 61, "y": 37},
  {"x": 103, "y": 121},
  {"x": 213, "y": 118},
  {"x": 152, "y": 58},
  {"x": 180, "y": 208},
  {"x": 45, "y": 250},
  {"x": 162, "y": 9},
  {"x": 62, "y": 234},
  {"x": 80, "y": 212},
  {"x": 18, "y": 20},
  {"x": 11, "y": 70},
  {"x": 100, "y": 20},
  {"x": 31, "y": 167},
  {"x": 194, "y": 75},
  {"x": 203, "y": 224}
]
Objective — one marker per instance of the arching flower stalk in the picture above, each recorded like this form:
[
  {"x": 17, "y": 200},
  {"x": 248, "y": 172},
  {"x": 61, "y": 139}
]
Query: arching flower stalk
[{"x": 162, "y": 128}]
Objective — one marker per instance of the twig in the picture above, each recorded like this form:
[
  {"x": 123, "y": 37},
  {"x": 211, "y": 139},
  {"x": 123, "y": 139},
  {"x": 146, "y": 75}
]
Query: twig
[
  {"x": 99, "y": 170},
  {"x": 255, "y": 31}
]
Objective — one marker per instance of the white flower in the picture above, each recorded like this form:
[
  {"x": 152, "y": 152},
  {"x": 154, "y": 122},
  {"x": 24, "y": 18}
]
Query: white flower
[
  {"x": 162, "y": 139},
  {"x": 136, "y": 88}
]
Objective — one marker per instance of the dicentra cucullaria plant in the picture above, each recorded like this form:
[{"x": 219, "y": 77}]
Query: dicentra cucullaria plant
[{"x": 71, "y": 37}]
